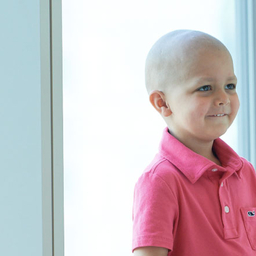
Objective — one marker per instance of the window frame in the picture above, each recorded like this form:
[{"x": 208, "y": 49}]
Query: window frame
[
  {"x": 246, "y": 44},
  {"x": 52, "y": 128}
]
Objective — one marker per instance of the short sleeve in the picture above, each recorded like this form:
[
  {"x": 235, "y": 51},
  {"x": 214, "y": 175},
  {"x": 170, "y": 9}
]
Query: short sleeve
[{"x": 155, "y": 211}]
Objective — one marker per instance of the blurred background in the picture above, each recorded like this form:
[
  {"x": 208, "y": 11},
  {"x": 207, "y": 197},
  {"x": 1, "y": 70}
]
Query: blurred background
[{"x": 111, "y": 132}]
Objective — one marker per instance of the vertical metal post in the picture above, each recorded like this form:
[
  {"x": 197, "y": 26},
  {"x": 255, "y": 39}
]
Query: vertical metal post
[
  {"x": 57, "y": 127},
  {"x": 52, "y": 127},
  {"x": 46, "y": 109},
  {"x": 246, "y": 44},
  {"x": 251, "y": 10}
]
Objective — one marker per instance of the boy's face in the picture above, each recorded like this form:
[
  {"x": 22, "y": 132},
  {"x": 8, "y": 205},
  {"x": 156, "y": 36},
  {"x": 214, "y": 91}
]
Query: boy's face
[{"x": 204, "y": 103}]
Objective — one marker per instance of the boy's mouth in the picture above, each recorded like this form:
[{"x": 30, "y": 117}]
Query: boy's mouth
[{"x": 217, "y": 115}]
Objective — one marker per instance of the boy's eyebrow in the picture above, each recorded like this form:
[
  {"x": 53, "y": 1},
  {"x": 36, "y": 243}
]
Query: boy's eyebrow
[
  {"x": 209, "y": 79},
  {"x": 232, "y": 78}
]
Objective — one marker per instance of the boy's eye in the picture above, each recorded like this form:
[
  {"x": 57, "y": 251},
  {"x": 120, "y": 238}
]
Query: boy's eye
[
  {"x": 205, "y": 88},
  {"x": 230, "y": 86}
]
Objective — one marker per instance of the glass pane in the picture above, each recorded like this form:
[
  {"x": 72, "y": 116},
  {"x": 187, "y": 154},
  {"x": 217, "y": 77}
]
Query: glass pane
[{"x": 111, "y": 132}]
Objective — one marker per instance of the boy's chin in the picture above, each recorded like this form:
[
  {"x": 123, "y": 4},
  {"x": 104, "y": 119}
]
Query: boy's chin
[
  {"x": 219, "y": 135},
  {"x": 215, "y": 135}
]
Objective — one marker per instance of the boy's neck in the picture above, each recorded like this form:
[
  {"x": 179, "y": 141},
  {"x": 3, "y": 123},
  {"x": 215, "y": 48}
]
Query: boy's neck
[
  {"x": 213, "y": 158},
  {"x": 204, "y": 149}
]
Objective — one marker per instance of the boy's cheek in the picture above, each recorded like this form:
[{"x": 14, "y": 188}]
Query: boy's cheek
[{"x": 235, "y": 106}]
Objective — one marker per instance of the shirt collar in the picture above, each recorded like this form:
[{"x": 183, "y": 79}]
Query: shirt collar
[{"x": 193, "y": 165}]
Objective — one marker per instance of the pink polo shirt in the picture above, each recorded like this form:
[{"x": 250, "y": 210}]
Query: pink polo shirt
[{"x": 193, "y": 207}]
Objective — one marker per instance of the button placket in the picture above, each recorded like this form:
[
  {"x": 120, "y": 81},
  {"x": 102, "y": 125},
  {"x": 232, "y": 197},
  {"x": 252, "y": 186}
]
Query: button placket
[{"x": 227, "y": 212}]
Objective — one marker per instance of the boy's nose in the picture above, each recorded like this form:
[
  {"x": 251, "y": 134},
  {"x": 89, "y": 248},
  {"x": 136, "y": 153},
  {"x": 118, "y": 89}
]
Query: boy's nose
[{"x": 222, "y": 99}]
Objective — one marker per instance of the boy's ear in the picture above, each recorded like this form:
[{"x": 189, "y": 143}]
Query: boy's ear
[{"x": 157, "y": 99}]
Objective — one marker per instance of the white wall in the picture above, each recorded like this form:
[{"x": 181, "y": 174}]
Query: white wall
[{"x": 20, "y": 129}]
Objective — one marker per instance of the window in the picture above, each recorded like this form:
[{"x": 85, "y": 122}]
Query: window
[{"x": 110, "y": 130}]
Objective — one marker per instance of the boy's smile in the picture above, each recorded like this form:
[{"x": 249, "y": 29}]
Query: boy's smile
[{"x": 204, "y": 103}]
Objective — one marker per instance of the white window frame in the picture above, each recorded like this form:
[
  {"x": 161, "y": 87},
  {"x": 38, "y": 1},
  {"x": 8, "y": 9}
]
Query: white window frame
[
  {"x": 246, "y": 47},
  {"x": 52, "y": 127},
  {"x": 52, "y": 114}
]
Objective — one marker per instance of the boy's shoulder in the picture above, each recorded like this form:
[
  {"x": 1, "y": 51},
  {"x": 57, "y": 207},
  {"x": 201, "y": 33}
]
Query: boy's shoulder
[
  {"x": 247, "y": 169},
  {"x": 246, "y": 162},
  {"x": 160, "y": 166},
  {"x": 159, "y": 178},
  {"x": 160, "y": 170}
]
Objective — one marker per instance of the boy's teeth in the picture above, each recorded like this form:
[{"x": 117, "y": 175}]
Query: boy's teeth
[{"x": 220, "y": 114}]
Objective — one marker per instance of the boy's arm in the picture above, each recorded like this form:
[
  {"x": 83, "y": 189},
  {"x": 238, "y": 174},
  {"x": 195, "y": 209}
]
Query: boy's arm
[{"x": 151, "y": 251}]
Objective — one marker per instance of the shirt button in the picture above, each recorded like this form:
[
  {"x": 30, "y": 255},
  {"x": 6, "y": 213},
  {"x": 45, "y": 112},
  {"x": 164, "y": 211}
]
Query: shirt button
[
  {"x": 221, "y": 184},
  {"x": 214, "y": 170},
  {"x": 226, "y": 209}
]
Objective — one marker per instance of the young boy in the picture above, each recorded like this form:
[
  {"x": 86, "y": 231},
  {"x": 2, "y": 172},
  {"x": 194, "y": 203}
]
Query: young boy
[{"x": 197, "y": 197}]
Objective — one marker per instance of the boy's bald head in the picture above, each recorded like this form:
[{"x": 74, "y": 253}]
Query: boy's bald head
[{"x": 170, "y": 58}]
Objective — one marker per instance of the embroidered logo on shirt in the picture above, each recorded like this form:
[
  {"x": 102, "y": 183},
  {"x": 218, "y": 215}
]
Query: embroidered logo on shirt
[{"x": 251, "y": 213}]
